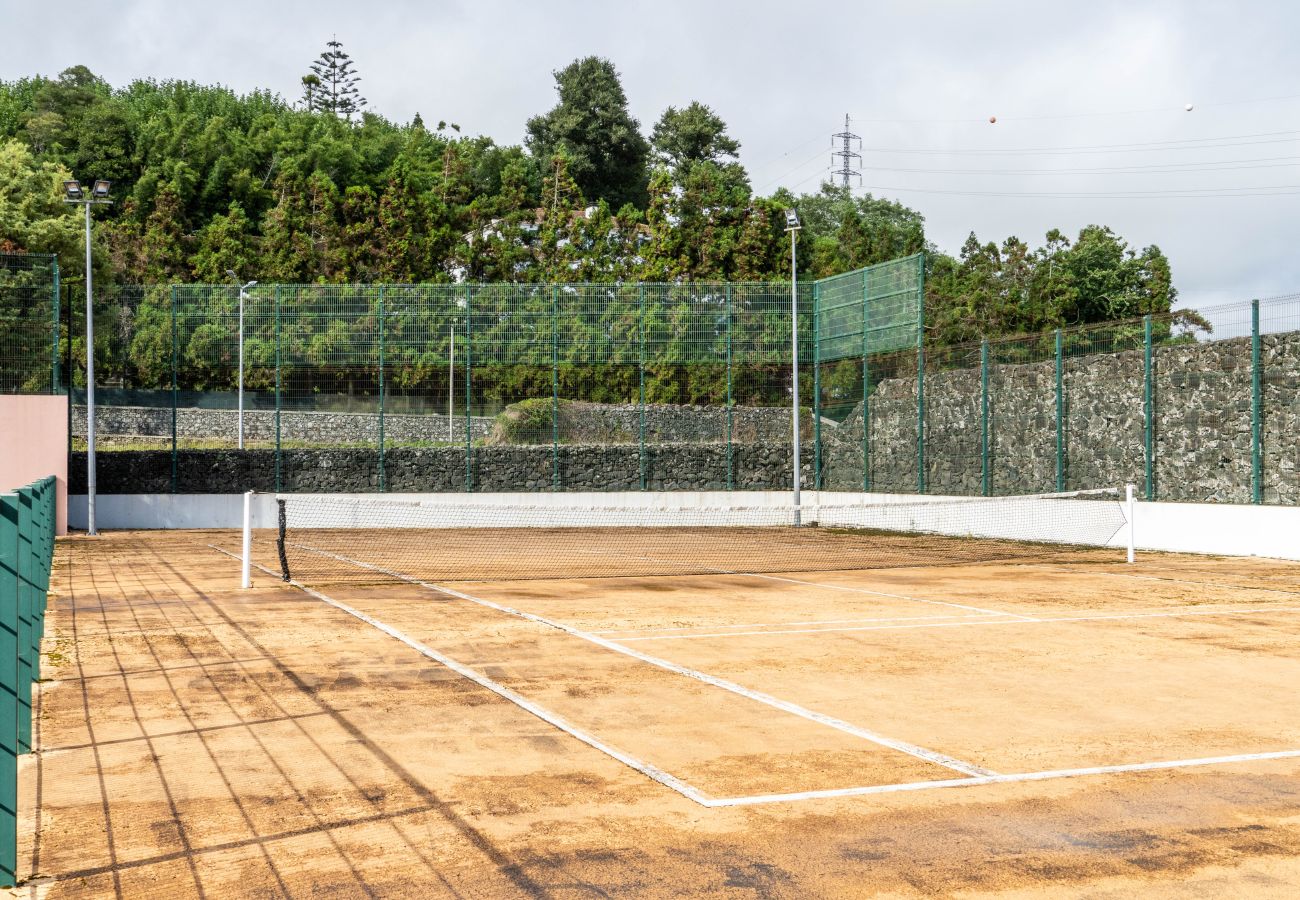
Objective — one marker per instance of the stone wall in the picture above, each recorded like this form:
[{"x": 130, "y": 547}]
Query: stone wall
[
  {"x": 668, "y": 467},
  {"x": 1202, "y": 422},
  {"x": 580, "y": 423},
  {"x": 194, "y": 423},
  {"x": 1202, "y": 396}
]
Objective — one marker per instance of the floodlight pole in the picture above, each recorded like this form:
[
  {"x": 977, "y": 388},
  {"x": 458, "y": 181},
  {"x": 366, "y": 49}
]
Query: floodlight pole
[
  {"x": 792, "y": 226},
  {"x": 90, "y": 386},
  {"x": 74, "y": 193}
]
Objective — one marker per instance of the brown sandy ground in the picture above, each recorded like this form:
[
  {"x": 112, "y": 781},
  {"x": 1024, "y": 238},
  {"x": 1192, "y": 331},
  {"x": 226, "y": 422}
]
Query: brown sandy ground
[{"x": 197, "y": 740}]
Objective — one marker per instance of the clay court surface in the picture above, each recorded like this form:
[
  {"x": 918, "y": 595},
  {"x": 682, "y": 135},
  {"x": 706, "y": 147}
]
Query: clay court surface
[{"x": 1068, "y": 727}]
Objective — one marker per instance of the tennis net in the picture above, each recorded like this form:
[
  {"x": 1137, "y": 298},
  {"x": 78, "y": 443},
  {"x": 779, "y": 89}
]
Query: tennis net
[{"x": 320, "y": 539}]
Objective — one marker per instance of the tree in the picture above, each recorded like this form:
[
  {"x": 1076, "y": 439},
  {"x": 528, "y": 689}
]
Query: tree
[
  {"x": 332, "y": 85},
  {"x": 592, "y": 126},
  {"x": 684, "y": 137}
]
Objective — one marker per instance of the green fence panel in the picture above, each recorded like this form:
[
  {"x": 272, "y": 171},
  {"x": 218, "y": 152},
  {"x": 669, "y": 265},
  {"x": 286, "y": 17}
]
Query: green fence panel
[{"x": 10, "y": 706}]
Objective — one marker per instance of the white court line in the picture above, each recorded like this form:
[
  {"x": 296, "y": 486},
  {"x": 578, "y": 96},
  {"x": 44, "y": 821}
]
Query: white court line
[
  {"x": 617, "y": 631},
  {"x": 924, "y": 753},
  {"x": 696, "y": 796},
  {"x": 1000, "y": 779},
  {"x": 646, "y": 769},
  {"x": 974, "y": 623}
]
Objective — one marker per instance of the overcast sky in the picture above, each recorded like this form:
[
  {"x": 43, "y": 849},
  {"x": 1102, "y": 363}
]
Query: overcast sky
[{"x": 920, "y": 80}]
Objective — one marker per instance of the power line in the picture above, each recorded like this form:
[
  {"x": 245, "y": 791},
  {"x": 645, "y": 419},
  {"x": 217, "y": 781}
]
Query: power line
[
  {"x": 1210, "y": 143},
  {"x": 1270, "y": 162},
  {"x": 1282, "y": 190}
]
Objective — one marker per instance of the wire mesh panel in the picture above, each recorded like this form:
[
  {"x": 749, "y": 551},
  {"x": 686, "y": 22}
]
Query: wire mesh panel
[
  {"x": 1202, "y": 414},
  {"x": 29, "y": 315},
  {"x": 1278, "y": 403},
  {"x": 893, "y": 436},
  {"x": 1102, "y": 431},
  {"x": 329, "y": 387},
  {"x": 1022, "y": 415},
  {"x": 953, "y": 427}
]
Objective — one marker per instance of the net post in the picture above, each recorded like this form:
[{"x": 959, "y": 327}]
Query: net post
[
  {"x": 866, "y": 381},
  {"x": 555, "y": 387},
  {"x": 175, "y": 385},
  {"x": 277, "y": 390},
  {"x": 817, "y": 388},
  {"x": 1256, "y": 408},
  {"x": 281, "y": 520},
  {"x": 1148, "y": 410},
  {"x": 383, "y": 481},
  {"x": 641, "y": 367},
  {"x": 54, "y": 328},
  {"x": 1060, "y": 411},
  {"x": 730, "y": 411},
  {"x": 985, "y": 469},
  {"x": 1130, "y": 507},
  {"x": 469, "y": 362},
  {"x": 246, "y": 547}
]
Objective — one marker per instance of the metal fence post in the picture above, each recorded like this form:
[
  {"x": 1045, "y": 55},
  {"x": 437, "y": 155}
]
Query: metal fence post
[
  {"x": 469, "y": 362},
  {"x": 817, "y": 388},
  {"x": 985, "y": 469},
  {"x": 866, "y": 382},
  {"x": 730, "y": 411},
  {"x": 383, "y": 480},
  {"x": 54, "y": 330},
  {"x": 555, "y": 387},
  {"x": 920, "y": 374},
  {"x": 1060, "y": 412},
  {"x": 278, "y": 455},
  {"x": 175, "y": 383},
  {"x": 1256, "y": 408},
  {"x": 641, "y": 331},
  {"x": 1148, "y": 410}
]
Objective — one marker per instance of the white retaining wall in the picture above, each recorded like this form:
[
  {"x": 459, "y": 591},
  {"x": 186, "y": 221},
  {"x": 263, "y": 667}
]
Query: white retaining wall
[{"x": 1220, "y": 528}]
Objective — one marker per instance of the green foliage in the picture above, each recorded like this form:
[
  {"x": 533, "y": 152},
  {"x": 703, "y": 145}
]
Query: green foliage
[
  {"x": 207, "y": 180},
  {"x": 591, "y": 125},
  {"x": 525, "y": 422}
]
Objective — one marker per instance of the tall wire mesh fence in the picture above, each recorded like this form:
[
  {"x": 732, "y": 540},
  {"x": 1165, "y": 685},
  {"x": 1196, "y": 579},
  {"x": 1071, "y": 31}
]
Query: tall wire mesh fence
[
  {"x": 653, "y": 386},
  {"x": 29, "y": 316}
]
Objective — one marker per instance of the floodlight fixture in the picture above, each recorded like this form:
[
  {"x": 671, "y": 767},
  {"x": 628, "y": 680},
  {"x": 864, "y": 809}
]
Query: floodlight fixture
[
  {"x": 792, "y": 220},
  {"x": 73, "y": 190},
  {"x": 100, "y": 190}
]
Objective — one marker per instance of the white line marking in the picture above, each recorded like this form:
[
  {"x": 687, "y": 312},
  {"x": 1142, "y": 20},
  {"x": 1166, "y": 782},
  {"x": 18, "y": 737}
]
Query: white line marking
[
  {"x": 696, "y": 796},
  {"x": 617, "y": 631},
  {"x": 554, "y": 719},
  {"x": 1000, "y": 779},
  {"x": 975, "y": 622},
  {"x": 924, "y": 753}
]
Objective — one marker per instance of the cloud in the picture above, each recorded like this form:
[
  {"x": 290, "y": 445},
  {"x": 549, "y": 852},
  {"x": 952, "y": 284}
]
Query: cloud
[{"x": 921, "y": 76}]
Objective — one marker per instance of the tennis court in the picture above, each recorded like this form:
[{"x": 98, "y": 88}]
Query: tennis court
[{"x": 662, "y": 709}]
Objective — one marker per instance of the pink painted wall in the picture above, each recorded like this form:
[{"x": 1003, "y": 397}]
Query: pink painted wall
[{"x": 34, "y": 444}]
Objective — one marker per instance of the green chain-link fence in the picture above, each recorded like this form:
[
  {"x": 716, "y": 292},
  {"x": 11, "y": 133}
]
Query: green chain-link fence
[
  {"x": 625, "y": 387},
  {"x": 29, "y": 317}
]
